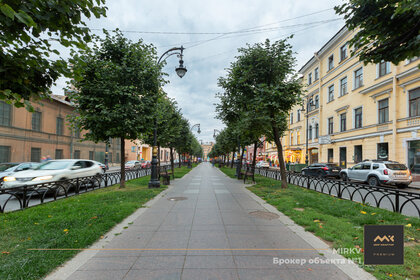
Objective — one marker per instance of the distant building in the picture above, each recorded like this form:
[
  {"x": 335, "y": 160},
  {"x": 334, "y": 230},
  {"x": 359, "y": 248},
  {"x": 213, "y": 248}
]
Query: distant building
[
  {"x": 206, "y": 149},
  {"x": 26, "y": 136}
]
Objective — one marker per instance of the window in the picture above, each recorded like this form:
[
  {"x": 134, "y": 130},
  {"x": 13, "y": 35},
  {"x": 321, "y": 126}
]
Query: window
[
  {"x": 358, "y": 156},
  {"x": 309, "y": 78},
  {"x": 358, "y": 78},
  {"x": 414, "y": 97},
  {"x": 383, "y": 111},
  {"x": 5, "y": 154},
  {"x": 330, "y": 155},
  {"x": 316, "y": 74},
  {"x": 91, "y": 155},
  {"x": 343, "y": 120},
  {"x": 59, "y": 154},
  {"x": 291, "y": 139},
  {"x": 298, "y": 137},
  {"x": 375, "y": 166},
  {"x": 358, "y": 118},
  {"x": 291, "y": 118},
  {"x": 383, "y": 68},
  {"x": 36, "y": 121},
  {"x": 133, "y": 149},
  {"x": 118, "y": 157},
  {"x": 358, "y": 166},
  {"x": 316, "y": 102},
  {"x": 316, "y": 131},
  {"x": 366, "y": 166},
  {"x": 60, "y": 127},
  {"x": 383, "y": 151},
  {"x": 5, "y": 114},
  {"x": 330, "y": 93},
  {"x": 310, "y": 132},
  {"x": 76, "y": 154},
  {"x": 330, "y": 125},
  {"x": 35, "y": 154},
  {"x": 330, "y": 62},
  {"x": 343, "y": 86},
  {"x": 343, "y": 52}
]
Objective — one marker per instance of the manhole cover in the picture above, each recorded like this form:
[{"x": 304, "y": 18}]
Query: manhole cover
[
  {"x": 177, "y": 198},
  {"x": 264, "y": 215}
]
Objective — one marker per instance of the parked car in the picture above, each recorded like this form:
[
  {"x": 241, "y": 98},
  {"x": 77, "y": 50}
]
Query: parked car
[
  {"x": 133, "y": 164},
  {"x": 322, "y": 170},
  {"x": 262, "y": 164},
  {"x": 52, "y": 171},
  {"x": 102, "y": 165},
  {"x": 146, "y": 164},
  {"x": 8, "y": 169},
  {"x": 379, "y": 172}
]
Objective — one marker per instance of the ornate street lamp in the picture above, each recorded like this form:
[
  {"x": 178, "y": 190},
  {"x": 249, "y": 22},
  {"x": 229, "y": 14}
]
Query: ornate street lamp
[
  {"x": 309, "y": 104},
  {"x": 214, "y": 133},
  {"x": 180, "y": 71},
  {"x": 196, "y": 125}
]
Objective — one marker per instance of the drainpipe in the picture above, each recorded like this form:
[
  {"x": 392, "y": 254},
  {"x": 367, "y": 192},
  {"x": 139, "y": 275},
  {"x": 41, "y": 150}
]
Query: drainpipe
[
  {"x": 320, "y": 106},
  {"x": 394, "y": 114}
]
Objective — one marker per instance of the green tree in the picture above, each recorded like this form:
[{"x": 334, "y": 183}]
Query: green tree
[
  {"x": 116, "y": 91},
  {"x": 30, "y": 61},
  {"x": 262, "y": 80},
  {"x": 387, "y": 30}
]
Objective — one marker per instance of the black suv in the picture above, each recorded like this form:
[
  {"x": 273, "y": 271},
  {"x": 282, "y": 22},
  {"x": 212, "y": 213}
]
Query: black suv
[{"x": 322, "y": 170}]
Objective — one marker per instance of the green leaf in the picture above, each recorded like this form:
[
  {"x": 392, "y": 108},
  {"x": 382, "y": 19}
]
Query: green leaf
[
  {"x": 8, "y": 11},
  {"x": 25, "y": 18}
]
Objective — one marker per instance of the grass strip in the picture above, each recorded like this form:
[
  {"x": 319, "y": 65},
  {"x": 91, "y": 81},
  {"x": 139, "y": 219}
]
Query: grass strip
[
  {"x": 340, "y": 222},
  {"x": 75, "y": 222}
]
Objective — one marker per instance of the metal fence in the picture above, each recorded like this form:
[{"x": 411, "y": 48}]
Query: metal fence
[
  {"x": 18, "y": 198},
  {"x": 396, "y": 200}
]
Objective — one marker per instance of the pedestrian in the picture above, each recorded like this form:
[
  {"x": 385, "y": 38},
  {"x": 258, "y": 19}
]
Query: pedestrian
[
  {"x": 43, "y": 159},
  {"x": 48, "y": 158}
]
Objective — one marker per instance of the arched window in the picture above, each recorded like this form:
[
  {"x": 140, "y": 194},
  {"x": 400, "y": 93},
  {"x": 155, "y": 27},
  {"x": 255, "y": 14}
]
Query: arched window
[
  {"x": 310, "y": 132},
  {"x": 316, "y": 131},
  {"x": 291, "y": 139},
  {"x": 316, "y": 102},
  {"x": 298, "y": 137}
]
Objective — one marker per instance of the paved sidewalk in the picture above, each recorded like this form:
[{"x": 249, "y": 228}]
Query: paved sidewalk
[{"x": 209, "y": 235}]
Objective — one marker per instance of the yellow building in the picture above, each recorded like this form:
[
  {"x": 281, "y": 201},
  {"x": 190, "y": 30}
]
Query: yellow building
[{"x": 357, "y": 111}]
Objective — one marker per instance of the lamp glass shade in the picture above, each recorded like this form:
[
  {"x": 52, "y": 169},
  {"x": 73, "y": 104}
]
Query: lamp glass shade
[{"x": 180, "y": 71}]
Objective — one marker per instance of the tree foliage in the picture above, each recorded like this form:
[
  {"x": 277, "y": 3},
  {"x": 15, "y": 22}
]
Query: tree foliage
[
  {"x": 30, "y": 33},
  {"x": 387, "y": 30},
  {"x": 116, "y": 92},
  {"x": 260, "y": 89}
]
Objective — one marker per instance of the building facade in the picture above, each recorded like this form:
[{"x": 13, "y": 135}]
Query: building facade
[
  {"x": 206, "y": 150},
  {"x": 354, "y": 112},
  {"x": 26, "y": 136},
  {"x": 136, "y": 150}
]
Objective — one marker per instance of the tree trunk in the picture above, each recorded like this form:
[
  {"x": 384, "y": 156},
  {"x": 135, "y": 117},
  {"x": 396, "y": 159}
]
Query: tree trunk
[
  {"x": 255, "y": 154},
  {"x": 158, "y": 155},
  {"x": 280, "y": 156},
  {"x": 122, "y": 182},
  {"x": 228, "y": 158},
  {"x": 172, "y": 163},
  {"x": 233, "y": 156}
]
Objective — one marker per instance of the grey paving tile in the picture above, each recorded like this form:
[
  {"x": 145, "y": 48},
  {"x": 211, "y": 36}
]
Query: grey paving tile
[
  {"x": 159, "y": 262},
  {"x": 209, "y": 274},
  {"x": 116, "y": 263},
  {"x": 257, "y": 262},
  {"x": 161, "y": 274},
  {"x": 98, "y": 275},
  {"x": 309, "y": 273},
  {"x": 209, "y": 262},
  {"x": 266, "y": 274}
]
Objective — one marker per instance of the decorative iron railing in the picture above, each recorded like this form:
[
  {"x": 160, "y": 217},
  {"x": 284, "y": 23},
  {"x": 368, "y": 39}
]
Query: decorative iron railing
[
  {"x": 18, "y": 198},
  {"x": 402, "y": 201}
]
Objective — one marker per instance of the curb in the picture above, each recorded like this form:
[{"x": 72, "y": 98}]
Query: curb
[
  {"x": 350, "y": 269},
  {"x": 68, "y": 268}
]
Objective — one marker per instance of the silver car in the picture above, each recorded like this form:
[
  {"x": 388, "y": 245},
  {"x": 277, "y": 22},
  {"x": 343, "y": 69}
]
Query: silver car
[{"x": 376, "y": 173}]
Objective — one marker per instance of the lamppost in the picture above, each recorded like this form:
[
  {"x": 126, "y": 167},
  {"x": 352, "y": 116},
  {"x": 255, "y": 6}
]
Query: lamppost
[
  {"x": 309, "y": 104},
  {"x": 180, "y": 71},
  {"x": 196, "y": 125},
  {"x": 214, "y": 133}
]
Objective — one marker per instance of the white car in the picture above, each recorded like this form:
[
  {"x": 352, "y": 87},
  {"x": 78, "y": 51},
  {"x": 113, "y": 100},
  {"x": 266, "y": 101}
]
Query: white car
[
  {"x": 133, "y": 164},
  {"x": 52, "y": 171},
  {"x": 262, "y": 164}
]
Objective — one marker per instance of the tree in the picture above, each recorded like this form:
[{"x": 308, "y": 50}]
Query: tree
[
  {"x": 387, "y": 30},
  {"x": 262, "y": 80},
  {"x": 28, "y": 29},
  {"x": 116, "y": 91}
]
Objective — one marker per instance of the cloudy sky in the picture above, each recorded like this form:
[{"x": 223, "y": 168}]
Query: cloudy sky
[{"x": 211, "y": 32}]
